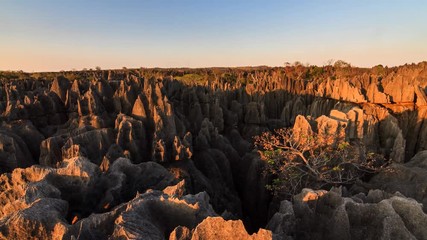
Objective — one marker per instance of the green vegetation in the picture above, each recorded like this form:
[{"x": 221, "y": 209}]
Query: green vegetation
[
  {"x": 379, "y": 70},
  {"x": 341, "y": 64},
  {"x": 295, "y": 161},
  {"x": 13, "y": 75},
  {"x": 191, "y": 78},
  {"x": 229, "y": 78}
]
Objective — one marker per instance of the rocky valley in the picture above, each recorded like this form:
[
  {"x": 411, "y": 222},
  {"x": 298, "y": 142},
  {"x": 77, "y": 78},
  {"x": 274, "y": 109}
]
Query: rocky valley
[{"x": 169, "y": 153}]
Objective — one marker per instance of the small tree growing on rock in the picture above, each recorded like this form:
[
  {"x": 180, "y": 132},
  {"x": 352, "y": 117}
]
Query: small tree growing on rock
[{"x": 297, "y": 160}]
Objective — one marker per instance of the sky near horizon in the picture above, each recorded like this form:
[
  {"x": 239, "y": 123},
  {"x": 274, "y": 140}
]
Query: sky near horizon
[{"x": 48, "y": 35}]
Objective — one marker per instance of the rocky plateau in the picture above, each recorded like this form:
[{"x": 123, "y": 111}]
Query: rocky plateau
[{"x": 168, "y": 153}]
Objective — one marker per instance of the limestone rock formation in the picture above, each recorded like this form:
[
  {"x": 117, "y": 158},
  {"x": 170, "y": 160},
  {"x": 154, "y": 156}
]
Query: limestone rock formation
[
  {"x": 131, "y": 136},
  {"x": 330, "y": 215},
  {"x": 12, "y": 155},
  {"x": 408, "y": 179},
  {"x": 56, "y": 203},
  {"x": 218, "y": 228},
  {"x": 60, "y": 86},
  {"x": 138, "y": 153},
  {"x": 91, "y": 143},
  {"x": 140, "y": 219}
]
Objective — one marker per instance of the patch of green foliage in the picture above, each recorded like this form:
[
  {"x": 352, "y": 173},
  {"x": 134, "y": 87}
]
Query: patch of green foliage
[
  {"x": 191, "y": 78},
  {"x": 295, "y": 161},
  {"x": 13, "y": 75},
  {"x": 229, "y": 78}
]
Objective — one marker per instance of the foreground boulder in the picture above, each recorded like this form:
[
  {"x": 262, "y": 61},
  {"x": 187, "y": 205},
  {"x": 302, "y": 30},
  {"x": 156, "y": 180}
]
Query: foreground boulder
[
  {"x": 410, "y": 178},
  {"x": 218, "y": 228},
  {"x": 330, "y": 215},
  {"x": 78, "y": 201}
]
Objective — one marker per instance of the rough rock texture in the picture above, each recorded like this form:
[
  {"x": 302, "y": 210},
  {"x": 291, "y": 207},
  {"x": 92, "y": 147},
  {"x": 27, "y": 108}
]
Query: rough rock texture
[
  {"x": 330, "y": 215},
  {"x": 410, "y": 179},
  {"x": 218, "y": 228},
  {"x": 56, "y": 203},
  {"x": 84, "y": 147},
  {"x": 14, "y": 152}
]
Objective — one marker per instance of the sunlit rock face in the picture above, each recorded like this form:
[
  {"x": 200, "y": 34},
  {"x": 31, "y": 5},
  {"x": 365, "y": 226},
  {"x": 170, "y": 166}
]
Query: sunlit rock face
[{"x": 168, "y": 153}]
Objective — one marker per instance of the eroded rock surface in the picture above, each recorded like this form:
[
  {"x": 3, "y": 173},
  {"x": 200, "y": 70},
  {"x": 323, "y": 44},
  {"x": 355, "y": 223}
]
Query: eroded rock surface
[
  {"x": 78, "y": 200},
  {"x": 330, "y": 215},
  {"x": 410, "y": 178},
  {"x": 138, "y": 154}
]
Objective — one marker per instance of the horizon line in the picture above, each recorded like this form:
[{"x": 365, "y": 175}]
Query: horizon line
[{"x": 205, "y": 67}]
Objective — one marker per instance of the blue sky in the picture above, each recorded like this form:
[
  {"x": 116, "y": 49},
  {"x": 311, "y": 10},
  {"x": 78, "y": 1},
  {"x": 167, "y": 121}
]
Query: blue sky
[{"x": 63, "y": 35}]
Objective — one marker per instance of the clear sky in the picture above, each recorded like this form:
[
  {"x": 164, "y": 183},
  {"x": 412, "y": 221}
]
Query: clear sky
[{"x": 42, "y": 35}]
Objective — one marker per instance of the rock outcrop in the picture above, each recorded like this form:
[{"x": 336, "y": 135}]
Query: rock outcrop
[
  {"x": 56, "y": 203},
  {"x": 330, "y": 215},
  {"x": 410, "y": 179},
  {"x": 138, "y": 154},
  {"x": 218, "y": 228}
]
